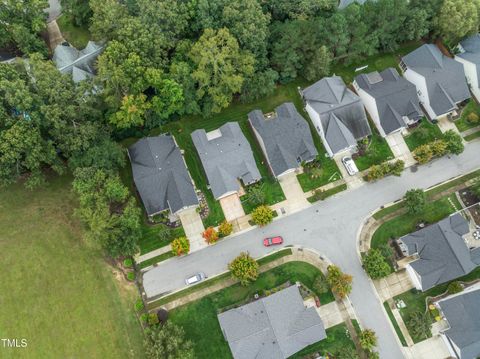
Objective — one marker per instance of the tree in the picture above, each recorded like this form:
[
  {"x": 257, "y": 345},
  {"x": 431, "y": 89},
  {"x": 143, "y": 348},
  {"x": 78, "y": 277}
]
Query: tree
[
  {"x": 346, "y": 352},
  {"x": 368, "y": 339},
  {"x": 454, "y": 287},
  {"x": 180, "y": 246},
  {"x": 340, "y": 282},
  {"x": 262, "y": 215},
  {"x": 454, "y": 142},
  {"x": 415, "y": 200},
  {"x": 258, "y": 85},
  {"x": 107, "y": 15},
  {"x": 375, "y": 264},
  {"x": 319, "y": 66},
  {"x": 244, "y": 268},
  {"x": 225, "y": 228},
  {"x": 438, "y": 147},
  {"x": 320, "y": 284},
  {"x": 210, "y": 235},
  {"x": 131, "y": 113},
  {"x": 298, "y": 9},
  {"x": 78, "y": 10},
  {"x": 220, "y": 69},
  {"x": 458, "y": 18},
  {"x": 167, "y": 341},
  {"x": 423, "y": 154},
  {"x": 256, "y": 195},
  {"x": 419, "y": 324}
]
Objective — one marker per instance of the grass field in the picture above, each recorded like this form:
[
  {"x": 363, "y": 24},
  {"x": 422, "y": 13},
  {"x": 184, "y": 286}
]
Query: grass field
[
  {"x": 57, "y": 292},
  {"x": 77, "y": 36},
  {"x": 463, "y": 123},
  {"x": 377, "y": 152},
  {"x": 424, "y": 133}
]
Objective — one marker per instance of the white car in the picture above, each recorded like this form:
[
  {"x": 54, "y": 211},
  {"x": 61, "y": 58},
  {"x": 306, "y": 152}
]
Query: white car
[
  {"x": 195, "y": 278},
  {"x": 350, "y": 165}
]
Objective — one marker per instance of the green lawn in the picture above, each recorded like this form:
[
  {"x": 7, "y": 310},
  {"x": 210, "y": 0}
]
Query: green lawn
[
  {"x": 462, "y": 123},
  {"x": 57, "y": 292},
  {"x": 330, "y": 173},
  {"x": 273, "y": 194},
  {"x": 424, "y": 133},
  {"x": 378, "y": 151},
  {"x": 199, "y": 318},
  {"x": 77, "y": 36},
  {"x": 150, "y": 239},
  {"x": 338, "y": 337},
  {"x": 395, "y": 324},
  {"x": 406, "y": 223},
  {"x": 472, "y": 136},
  {"x": 157, "y": 259},
  {"x": 327, "y": 193}
]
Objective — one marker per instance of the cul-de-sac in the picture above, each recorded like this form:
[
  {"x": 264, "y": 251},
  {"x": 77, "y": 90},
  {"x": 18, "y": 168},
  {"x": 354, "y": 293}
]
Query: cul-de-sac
[{"x": 240, "y": 179}]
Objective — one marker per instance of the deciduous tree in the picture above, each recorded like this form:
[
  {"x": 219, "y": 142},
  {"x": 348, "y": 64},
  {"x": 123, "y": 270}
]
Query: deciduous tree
[
  {"x": 458, "y": 18},
  {"x": 244, "y": 268},
  {"x": 375, "y": 264},
  {"x": 415, "y": 200},
  {"x": 340, "y": 282},
  {"x": 368, "y": 340},
  {"x": 167, "y": 341},
  {"x": 262, "y": 215}
]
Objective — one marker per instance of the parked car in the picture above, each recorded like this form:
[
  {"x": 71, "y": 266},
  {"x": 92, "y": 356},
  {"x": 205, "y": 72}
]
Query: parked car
[
  {"x": 195, "y": 278},
  {"x": 272, "y": 241},
  {"x": 350, "y": 165}
]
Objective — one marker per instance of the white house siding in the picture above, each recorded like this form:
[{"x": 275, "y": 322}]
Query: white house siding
[
  {"x": 262, "y": 145},
  {"x": 470, "y": 70},
  {"x": 371, "y": 105},
  {"x": 414, "y": 277},
  {"x": 421, "y": 86},
  {"x": 315, "y": 117},
  {"x": 451, "y": 347}
]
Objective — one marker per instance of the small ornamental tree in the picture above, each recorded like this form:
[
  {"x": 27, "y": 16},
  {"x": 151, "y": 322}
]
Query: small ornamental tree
[
  {"x": 454, "y": 287},
  {"x": 210, "y": 235},
  {"x": 419, "y": 324},
  {"x": 368, "y": 340},
  {"x": 375, "y": 264},
  {"x": 256, "y": 195},
  {"x": 438, "y": 147},
  {"x": 415, "y": 199},
  {"x": 225, "y": 229},
  {"x": 473, "y": 117},
  {"x": 244, "y": 268},
  {"x": 262, "y": 215},
  {"x": 320, "y": 284},
  {"x": 167, "y": 341},
  {"x": 340, "y": 282},
  {"x": 180, "y": 245},
  {"x": 423, "y": 154},
  {"x": 454, "y": 142}
]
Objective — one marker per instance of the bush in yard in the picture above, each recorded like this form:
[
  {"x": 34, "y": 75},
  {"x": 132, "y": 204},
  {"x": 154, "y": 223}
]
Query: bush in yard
[
  {"x": 139, "y": 305},
  {"x": 454, "y": 142},
  {"x": 340, "y": 282},
  {"x": 128, "y": 263},
  {"x": 180, "y": 245},
  {"x": 387, "y": 251},
  {"x": 320, "y": 284},
  {"x": 255, "y": 195},
  {"x": 368, "y": 340},
  {"x": 244, "y": 268},
  {"x": 375, "y": 264},
  {"x": 262, "y": 215},
  {"x": 167, "y": 341},
  {"x": 415, "y": 200},
  {"x": 153, "y": 319},
  {"x": 164, "y": 232},
  {"x": 419, "y": 324},
  {"x": 375, "y": 172},
  {"x": 225, "y": 229},
  {"x": 346, "y": 353},
  {"x": 423, "y": 154},
  {"x": 454, "y": 287},
  {"x": 144, "y": 317},
  {"x": 438, "y": 147},
  {"x": 397, "y": 167},
  {"x": 473, "y": 117},
  {"x": 210, "y": 235},
  {"x": 131, "y": 276},
  {"x": 384, "y": 169}
]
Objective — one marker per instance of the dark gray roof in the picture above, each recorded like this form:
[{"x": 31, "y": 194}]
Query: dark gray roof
[
  {"x": 226, "y": 159},
  {"x": 471, "y": 47},
  {"x": 286, "y": 137},
  {"x": 160, "y": 175},
  {"x": 78, "y": 63},
  {"x": 277, "y": 326},
  {"x": 443, "y": 253},
  {"x": 446, "y": 83},
  {"x": 395, "y": 97},
  {"x": 341, "y": 112},
  {"x": 463, "y": 316},
  {"x": 344, "y": 3}
]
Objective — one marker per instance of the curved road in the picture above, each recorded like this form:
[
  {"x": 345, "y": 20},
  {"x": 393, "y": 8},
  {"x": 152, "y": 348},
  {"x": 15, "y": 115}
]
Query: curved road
[{"x": 331, "y": 228}]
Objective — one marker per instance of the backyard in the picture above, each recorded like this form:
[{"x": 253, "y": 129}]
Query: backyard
[
  {"x": 59, "y": 293},
  {"x": 200, "y": 317},
  {"x": 77, "y": 36},
  {"x": 424, "y": 133}
]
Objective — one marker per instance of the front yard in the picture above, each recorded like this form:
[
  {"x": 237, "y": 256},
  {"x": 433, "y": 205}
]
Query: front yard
[
  {"x": 312, "y": 178},
  {"x": 372, "y": 151},
  {"x": 199, "y": 318},
  {"x": 463, "y": 123},
  {"x": 424, "y": 133}
]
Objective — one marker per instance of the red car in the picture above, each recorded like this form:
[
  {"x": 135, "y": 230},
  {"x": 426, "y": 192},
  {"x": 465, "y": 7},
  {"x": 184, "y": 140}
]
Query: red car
[{"x": 267, "y": 242}]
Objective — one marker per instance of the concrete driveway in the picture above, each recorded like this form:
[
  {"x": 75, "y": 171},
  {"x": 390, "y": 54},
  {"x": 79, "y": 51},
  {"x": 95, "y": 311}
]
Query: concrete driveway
[
  {"x": 432, "y": 348},
  {"x": 293, "y": 192},
  {"x": 331, "y": 228},
  {"x": 399, "y": 148},
  {"x": 352, "y": 182},
  {"x": 232, "y": 207},
  {"x": 193, "y": 227}
]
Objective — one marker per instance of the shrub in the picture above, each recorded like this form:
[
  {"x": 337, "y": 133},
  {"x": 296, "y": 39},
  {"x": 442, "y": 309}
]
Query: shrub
[
  {"x": 225, "y": 229},
  {"x": 473, "y": 117},
  {"x": 423, "y": 154},
  {"x": 262, "y": 215},
  {"x": 244, "y": 268},
  {"x": 320, "y": 284},
  {"x": 210, "y": 235},
  {"x": 180, "y": 245},
  {"x": 139, "y": 305},
  {"x": 384, "y": 169},
  {"x": 255, "y": 195},
  {"x": 397, "y": 167},
  {"x": 340, "y": 282},
  {"x": 153, "y": 319},
  {"x": 375, "y": 264},
  {"x": 144, "y": 317},
  {"x": 164, "y": 233},
  {"x": 454, "y": 287},
  {"x": 419, "y": 324},
  {"x": 128, "y": 263},
  {"x": 416, "y": 200},
  {"x": 438, "y": 147},
  {"x": 368, "y": 339},
  {"x": 131, "y": 276},
  {"x": 454, "y": 142}
]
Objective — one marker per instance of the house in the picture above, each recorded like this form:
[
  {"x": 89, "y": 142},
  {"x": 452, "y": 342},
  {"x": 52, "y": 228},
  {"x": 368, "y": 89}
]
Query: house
[
  {"x": 337, "y": 113},
  {"x": 344, "y": 3},
  {"x": 469, "y": 57},
  {"x": 391, "y": 101},
  {"x": 81, "y": 63},
  {"x": 284, "y": 137},
  {"x": 440, "y": 80},
  {"x": 227, "y": 159},
  {"x": 161, "y": 176},
  {"x": 440, "y": 253},
  {"x": 462, "y": 317},
  {"x": 276, "y": 326}
]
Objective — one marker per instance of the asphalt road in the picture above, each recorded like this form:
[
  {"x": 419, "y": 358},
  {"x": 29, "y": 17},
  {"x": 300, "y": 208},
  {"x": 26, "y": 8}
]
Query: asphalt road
[{"x": 331, "y": 228}]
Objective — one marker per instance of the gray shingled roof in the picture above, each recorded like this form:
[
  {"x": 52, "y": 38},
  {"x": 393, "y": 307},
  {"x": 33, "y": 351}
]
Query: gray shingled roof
[
  {"x": 446, "y": 83},
  {"x": 471, "y": 46},
  {"x": 344, "y": 3},
  {"x": 78, "y": 63},
  {"x": 341, "y": 112},
  {"x": 276, "y": 326},
  {"x": 286, "y": 137},
  {"x": 160, "y": 175},
  {"x": 226, "y": 159},
  {"x": 463, "y": 316},
  {"x": 395, "y": 97},
  {"x": 443, "y": 253}
]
